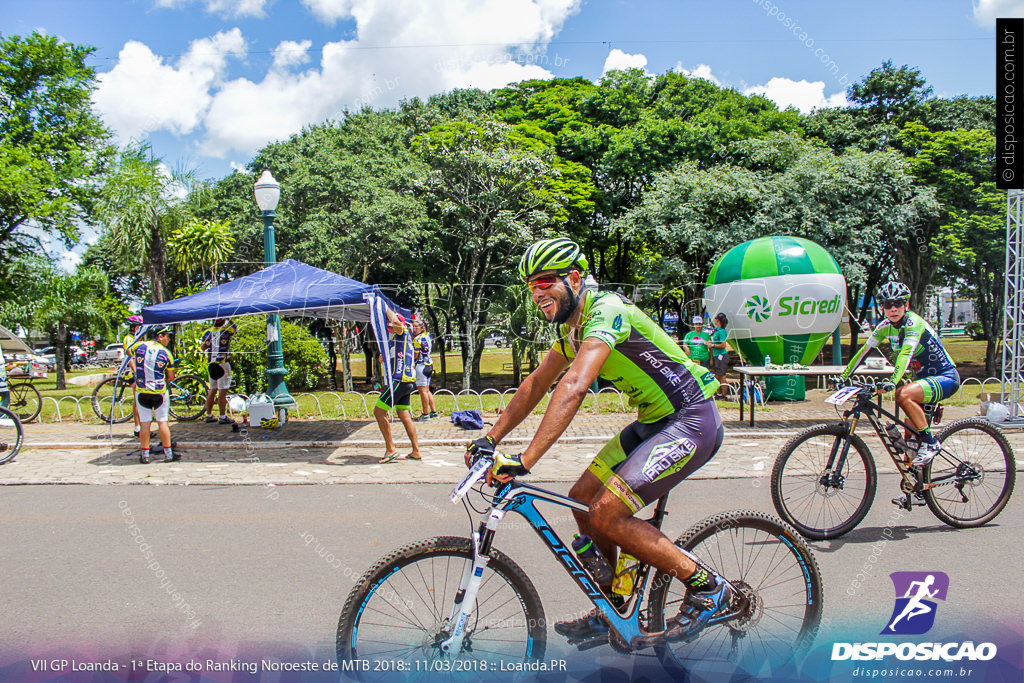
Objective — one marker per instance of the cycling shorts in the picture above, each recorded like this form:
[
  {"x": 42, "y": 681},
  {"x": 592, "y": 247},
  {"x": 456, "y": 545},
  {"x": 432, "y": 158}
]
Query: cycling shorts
[
  {"x": 644, "y": 461},
  {"x": 396, "y": 397},
  {"x": 939, "y": 387},
  {"x": 150, "y": 410},
  {"x": 224, "y": 381},
  {"x": 423, "y": 374}
]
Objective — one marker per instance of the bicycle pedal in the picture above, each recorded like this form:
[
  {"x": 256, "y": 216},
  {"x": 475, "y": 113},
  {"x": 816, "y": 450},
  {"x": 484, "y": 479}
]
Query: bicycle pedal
[{"x": 589, "y": 643}]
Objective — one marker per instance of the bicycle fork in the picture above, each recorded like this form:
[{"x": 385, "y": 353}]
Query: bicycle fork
[{"x": 469, "y": 586}]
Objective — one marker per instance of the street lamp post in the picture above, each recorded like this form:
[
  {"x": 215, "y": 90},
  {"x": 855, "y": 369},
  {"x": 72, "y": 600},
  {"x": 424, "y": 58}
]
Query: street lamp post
[{"x": 268, "y": 192}]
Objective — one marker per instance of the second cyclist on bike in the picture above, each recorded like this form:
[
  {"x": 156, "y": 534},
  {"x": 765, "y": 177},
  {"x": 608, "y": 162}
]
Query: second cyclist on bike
[
  {"x": 678, "y": 428},
  {"x": 919, "y": 348}
]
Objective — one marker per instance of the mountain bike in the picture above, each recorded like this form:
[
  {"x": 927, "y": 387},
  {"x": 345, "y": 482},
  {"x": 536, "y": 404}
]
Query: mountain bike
[
  {"x": 11, "y": 435},
  {"x": 824, "y": 478},
  {"x": 460, "y": 606},
  {"x": 26, "y": 401},
  {"x": 113, "y": 397}
]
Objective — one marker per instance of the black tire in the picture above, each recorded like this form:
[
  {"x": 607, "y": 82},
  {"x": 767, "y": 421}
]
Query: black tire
[
  {"x": 26, "y": 401},
  {"x": 822, "y": 511},
  {"x": 117, "y": 393},
  {"x": 415, "y": 586},
  {"x": 188, "y": 397},
  {"x": 772, "y": 565},
  {"x": 11, "y": 435},
  {"x": 970, "y": 481}
]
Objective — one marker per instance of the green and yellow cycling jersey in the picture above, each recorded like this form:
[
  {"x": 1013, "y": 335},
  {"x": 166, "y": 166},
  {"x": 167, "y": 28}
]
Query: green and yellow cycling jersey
[
  {"x": 917, "y": 346},
  {"x": 645, "y": 363}
]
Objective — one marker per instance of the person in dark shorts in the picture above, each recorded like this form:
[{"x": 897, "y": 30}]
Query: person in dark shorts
[
  {"x": 720, "y": 352},
  {"x": 397, "y": 394},
  {"x": 677, "y": 430}
]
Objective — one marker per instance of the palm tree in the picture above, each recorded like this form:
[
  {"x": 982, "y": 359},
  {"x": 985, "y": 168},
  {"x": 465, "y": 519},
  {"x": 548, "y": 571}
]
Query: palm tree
[
  {"x": 142, "y": 203},
  {"x": 199, "y": 245}
]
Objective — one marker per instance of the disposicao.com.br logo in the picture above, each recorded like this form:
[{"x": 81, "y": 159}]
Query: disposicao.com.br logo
[{"x": 914, "y": 614}]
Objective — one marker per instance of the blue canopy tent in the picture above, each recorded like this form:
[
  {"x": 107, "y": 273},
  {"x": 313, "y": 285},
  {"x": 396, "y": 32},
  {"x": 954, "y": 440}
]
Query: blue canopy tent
[{"x": 286, "y": 288}]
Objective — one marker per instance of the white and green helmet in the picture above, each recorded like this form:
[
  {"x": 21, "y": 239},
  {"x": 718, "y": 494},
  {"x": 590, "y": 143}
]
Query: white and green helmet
[{"x": 559, "y": 254}]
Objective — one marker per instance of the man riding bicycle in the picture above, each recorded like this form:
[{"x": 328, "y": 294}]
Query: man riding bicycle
[
  {"x": 918, "y": 347},
  {"x": 677, "y": 431}
]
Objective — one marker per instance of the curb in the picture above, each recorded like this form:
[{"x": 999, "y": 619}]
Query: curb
[{"x": 256, "y": 445}]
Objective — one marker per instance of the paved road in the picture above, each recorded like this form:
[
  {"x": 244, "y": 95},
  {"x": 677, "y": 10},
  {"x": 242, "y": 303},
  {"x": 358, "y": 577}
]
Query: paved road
[{"x": 239, "y": 574}]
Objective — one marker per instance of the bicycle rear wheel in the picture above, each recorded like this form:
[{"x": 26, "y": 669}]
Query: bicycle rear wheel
[
  {"x": 823, "y": 503},
  {"x": 970, "y": 481},
  {"x": 399, "y": 611},
  {"x": 11, "y": 435},
  {"x": 188, "y": 397},
  {"x": 771, "y": 565},
  {"x": 26, "y": 401},
  {"x": 113, "y": 400}
]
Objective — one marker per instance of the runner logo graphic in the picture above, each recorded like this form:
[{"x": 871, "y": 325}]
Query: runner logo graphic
[{"x": 914, "y": 611}]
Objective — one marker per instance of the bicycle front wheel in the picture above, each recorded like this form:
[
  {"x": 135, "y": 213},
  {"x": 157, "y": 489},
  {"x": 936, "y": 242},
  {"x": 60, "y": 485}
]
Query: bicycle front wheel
[
  {"x": 823, "y": 502},
  {"x": 400, "y": 610},
  {"x": 188, "y": 397},
  {"x": 11, "y": 435},
  {"x": 26, "y": 401},
  {"x": 113, "y": 400},
  {"x": 768, "y": 562},
  {"x": 971, "y": 479}
]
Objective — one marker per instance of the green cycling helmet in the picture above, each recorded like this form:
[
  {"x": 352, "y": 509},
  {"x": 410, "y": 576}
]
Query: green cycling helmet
[{"x": 559, "y": 254}]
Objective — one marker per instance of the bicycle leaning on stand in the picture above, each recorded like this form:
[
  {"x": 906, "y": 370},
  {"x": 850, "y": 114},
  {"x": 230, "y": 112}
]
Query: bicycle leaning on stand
[
  {"x": 824, "y": 478},
  {"x": 461, "y": 606}
]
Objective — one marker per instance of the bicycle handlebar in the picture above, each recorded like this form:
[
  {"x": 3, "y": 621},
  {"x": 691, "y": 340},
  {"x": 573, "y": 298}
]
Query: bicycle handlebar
[{"x": 476, "y": 472}]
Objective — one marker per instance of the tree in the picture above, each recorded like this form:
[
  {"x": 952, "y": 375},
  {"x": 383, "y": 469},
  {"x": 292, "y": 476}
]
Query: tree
[
  {"x": 488, "y": 196},
  {"x": 856, "y": 205},
  {"x": 201, "y": 244},
  {"x": 52, "y": 146},
  {"x": 71, "y": 302},
  {"x": 142, "y": 203},
  {"x": 890, "y": 94}
]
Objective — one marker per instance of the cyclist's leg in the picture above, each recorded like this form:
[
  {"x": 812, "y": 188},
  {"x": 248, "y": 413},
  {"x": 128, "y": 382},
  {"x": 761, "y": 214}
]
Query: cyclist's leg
[
  {"x": 679, "y": 447},
  {"x": 910, "y": 398}
]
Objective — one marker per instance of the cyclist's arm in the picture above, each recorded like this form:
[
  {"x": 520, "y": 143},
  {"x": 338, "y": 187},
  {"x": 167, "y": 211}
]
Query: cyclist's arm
[
  {"x": 529, "y": 394},
  {"x": 566, "y": 400},
  {"x": 871, "y": 343},
  {"x": 909, "y": 348}
]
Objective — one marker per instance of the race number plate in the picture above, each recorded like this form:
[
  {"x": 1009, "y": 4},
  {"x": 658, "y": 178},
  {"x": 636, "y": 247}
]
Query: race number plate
[{"x": 843, "y": 395}]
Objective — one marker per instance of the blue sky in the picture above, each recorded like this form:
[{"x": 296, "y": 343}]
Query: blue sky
[{"x": 209, "y": 82}]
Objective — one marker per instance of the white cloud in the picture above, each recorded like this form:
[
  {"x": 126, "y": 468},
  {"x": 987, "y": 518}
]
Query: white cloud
[
  {"x": 986, "y": 11},
  {"x": 291, "y": 53},
  {"x": 401, "y": 49},
  {"x": 226, "y": 8},
  {"x": 141, "y": 94},
  {"x": 804, "y": 95},
  {"x": 617, "y": 59},
  {"x": 702, "y": 71},
  {"x": 239, "y": 168}
]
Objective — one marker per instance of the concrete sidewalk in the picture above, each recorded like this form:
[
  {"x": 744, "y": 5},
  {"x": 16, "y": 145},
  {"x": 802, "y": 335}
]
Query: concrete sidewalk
[{"x": 347, "y": 451}]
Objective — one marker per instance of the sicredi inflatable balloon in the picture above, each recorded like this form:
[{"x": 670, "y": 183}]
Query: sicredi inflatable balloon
[{"x": 784, "y": 296}]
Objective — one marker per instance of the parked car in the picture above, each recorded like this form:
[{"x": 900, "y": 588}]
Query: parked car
[
  {"x": 114, "y": 353},
  {"x": 49, "y": 354}
]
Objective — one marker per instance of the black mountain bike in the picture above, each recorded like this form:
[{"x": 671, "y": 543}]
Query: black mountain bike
[
  {"x": 824, "y": 479},
  {"x": 112, "y": 398},
  {"x": 460, "y": 607}
]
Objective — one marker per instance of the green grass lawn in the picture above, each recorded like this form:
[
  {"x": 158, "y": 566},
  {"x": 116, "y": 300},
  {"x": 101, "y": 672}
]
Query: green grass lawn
[{"x": 496, "y": 377}]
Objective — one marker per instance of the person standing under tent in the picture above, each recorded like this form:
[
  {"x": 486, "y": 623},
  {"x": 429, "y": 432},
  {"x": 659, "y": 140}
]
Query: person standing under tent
[{"x": 217, "y": 343}]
